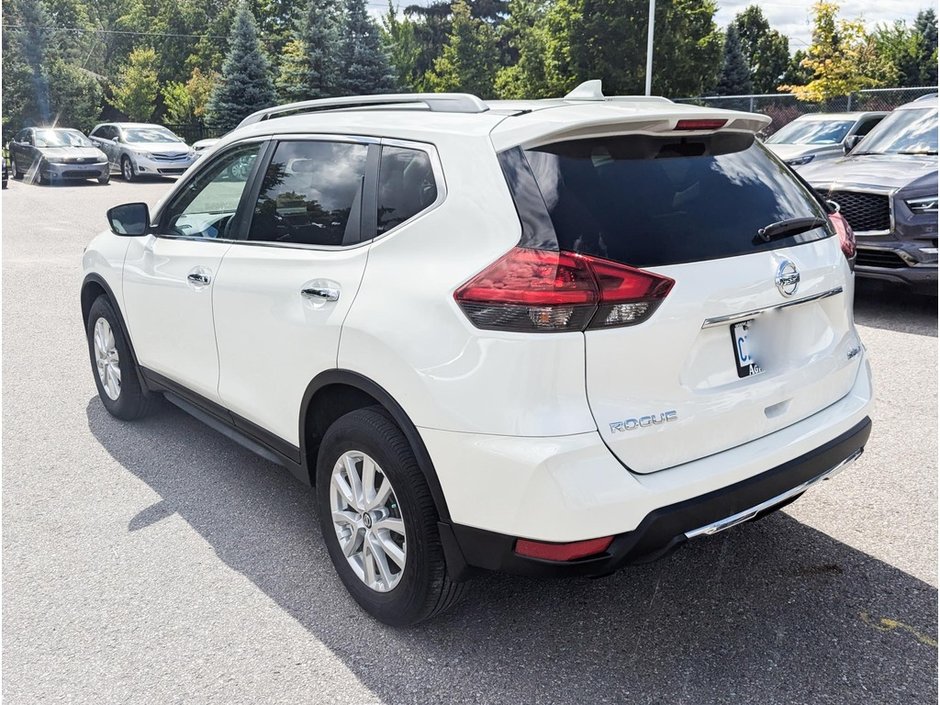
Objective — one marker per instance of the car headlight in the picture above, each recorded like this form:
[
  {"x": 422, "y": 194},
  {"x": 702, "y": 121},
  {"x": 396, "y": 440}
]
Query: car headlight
[
  {"x": 800, "y": 161},
  {"x": 927, "y": 204},
  {"x": 145, "y": 155}
]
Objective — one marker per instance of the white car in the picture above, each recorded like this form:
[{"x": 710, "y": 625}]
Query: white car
[
  {"x": 548, "y": 337},
  {"x": 139, "y": 149}
]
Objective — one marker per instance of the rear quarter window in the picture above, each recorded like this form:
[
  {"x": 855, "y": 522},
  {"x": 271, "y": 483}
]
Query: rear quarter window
[{"x": 653, "y": 201}]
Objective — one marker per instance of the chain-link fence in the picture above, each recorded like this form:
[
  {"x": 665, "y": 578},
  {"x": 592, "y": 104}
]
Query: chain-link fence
[{"x": 784, "y": 107}]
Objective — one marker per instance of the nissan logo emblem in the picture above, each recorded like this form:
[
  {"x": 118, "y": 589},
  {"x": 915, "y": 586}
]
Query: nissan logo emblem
[{"x": 788, "y": 278}]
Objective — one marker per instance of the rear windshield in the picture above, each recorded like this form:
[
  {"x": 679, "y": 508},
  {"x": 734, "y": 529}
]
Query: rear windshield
[{"x": 652, "y": 201}]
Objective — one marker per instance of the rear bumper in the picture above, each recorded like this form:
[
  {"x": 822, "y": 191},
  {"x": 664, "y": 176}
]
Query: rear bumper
[{"x": 666, "y": 528}]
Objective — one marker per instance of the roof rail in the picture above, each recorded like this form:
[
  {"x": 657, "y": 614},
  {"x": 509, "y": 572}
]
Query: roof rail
[
  {"x": 591, "y": 90},
  {"x": 435, "y": 102}
]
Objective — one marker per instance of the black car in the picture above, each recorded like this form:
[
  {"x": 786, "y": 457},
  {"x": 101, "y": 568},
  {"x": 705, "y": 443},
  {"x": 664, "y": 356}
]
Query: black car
[
  {"x": 4, "y": 181},
  {"x": 887, "y": 189},
  {"x": 45, "y": 154}
]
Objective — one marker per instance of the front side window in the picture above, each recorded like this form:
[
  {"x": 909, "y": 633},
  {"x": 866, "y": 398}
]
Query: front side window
[
  {"x": 311, "y": 194},
  {"x": 406, "y": 186},
  {"x": 206, "y": 207}
]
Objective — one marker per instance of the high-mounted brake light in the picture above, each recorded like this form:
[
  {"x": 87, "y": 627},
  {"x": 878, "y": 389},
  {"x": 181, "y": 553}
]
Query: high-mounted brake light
[
  {"x": 700, "y": 124},
  {"x": 562, "y": 551},
  {"x": 544, "y": 291},
  {"x": 845, "y": 232}
]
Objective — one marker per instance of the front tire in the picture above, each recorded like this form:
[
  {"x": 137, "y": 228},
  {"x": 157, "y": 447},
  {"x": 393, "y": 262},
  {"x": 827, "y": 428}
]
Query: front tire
[
  {"x": 113, "y": 365},
  {"x": 14, "y": 172},
  {"x": 104, "y": 180},
  {"x": 127, "y": 169},
  {"x": 379, "y": 521}
]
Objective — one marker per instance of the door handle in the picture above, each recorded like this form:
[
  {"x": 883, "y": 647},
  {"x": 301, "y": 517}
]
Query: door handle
[
  {"x": 198, "y": 278},
  {"x": 321, "y": 293}
]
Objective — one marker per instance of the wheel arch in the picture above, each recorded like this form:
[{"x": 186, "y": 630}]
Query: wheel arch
[{"x": 336, "y": 392}]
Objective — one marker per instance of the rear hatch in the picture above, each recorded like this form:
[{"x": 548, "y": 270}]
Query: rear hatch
[{"x": 754, "y": 335}]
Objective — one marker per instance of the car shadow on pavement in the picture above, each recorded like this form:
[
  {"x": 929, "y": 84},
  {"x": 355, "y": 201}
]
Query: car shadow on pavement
[
  {"x": 770, "y": 612},
  {"x": 892, "y": 307}
]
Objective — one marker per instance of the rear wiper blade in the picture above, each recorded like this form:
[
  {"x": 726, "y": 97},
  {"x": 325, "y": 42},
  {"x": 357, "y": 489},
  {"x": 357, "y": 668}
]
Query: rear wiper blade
[{"x": 792, "y": 226}]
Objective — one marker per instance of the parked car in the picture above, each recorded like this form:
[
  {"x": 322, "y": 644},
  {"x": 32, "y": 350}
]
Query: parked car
[
  {"x": 817, "y": 137},
  {"x": 46, "y": 154},
  {"x": 887, "y": 190},
  {"x": 542, "y": 337},
  {"x": 4, "y": 178},
  {"x": 139, "y": 149}
]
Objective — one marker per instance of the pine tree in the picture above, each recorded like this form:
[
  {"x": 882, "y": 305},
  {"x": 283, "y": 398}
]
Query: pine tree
[
  {"x": 364, "y": 67},
  {"x": 470, "y": 57},
  {"x": 735, "y": 77},
  {"x": 245, "y": 85},
  {"x": 291, "y": 82}
]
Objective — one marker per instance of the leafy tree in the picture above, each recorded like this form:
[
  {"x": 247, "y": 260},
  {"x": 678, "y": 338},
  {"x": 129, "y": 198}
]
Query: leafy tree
[
  {"x": 401, "y": 46},
  {"x": 136, "y": 89},
  {"x": 796, "y": 73},
  {"x": 526, "y": 37},
  {"x": 735, "y": 77},
  {"x": 766, "y": 51},
  {"x": 245, "y": 85},
  {"x": 842, "y": 58},
  {"x": 469, "y": 60},
  {"x": 76, "y": 95},
  {"x": 364, "y": 67},
  {"x": 28, "y": 47},
  {"x": 186, "y": 102}
]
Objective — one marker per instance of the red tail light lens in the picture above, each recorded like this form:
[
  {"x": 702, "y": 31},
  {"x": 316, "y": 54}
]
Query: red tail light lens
[
  {"x": 845, "y": 232},
  {"x": 544, "y": 291},
  {"x": 700, "y": 124},
  {"x": 562, "y": 551}
]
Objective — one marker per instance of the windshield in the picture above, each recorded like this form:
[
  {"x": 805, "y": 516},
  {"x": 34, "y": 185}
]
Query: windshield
[
  {"x": 61, "y": 138},
  {"x": 812, "y": 132},
  {"x": 149, "y": 134},
  {"x": 903, "y": 132}
]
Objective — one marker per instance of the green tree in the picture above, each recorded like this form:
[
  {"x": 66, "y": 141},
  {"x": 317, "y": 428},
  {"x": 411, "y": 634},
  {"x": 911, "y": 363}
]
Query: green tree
[
  {"x": 291, "y": 83},
  {"x": 735, "y": 76},
  {"x": 401, "y": 46},
  {"x": 76, "y": 95},
  {"x": 28, "y": 49},
  {"x": 135, "y": 91},
  {"x": 925, "y": 29},
  {"x": 311, "y": 60},
  {"x": 470, "y": 57},
  {"x": 796, "y": 74},
  {"x": 364, "y": 67},
  {"x": 526, "y": 36},
  {"x": 245, "y": 85},
  {"x": 766, "y": 51},
  {"x": 186, "y": 102},
  {"x": 842, "y": 58}
]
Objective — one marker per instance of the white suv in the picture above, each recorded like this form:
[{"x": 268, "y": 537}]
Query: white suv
[{"x": 545, "y": 337}]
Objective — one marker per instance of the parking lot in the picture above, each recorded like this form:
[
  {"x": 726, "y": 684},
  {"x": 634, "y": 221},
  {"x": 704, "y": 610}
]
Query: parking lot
[{"x": 159, "y": 562}]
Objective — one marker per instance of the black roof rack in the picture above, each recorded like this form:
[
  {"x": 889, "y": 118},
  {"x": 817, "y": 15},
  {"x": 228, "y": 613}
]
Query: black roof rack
[{"x": 435, "y": 102}]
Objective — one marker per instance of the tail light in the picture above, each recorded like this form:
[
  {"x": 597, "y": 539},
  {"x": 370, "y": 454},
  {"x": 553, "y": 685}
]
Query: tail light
[
  {"x": 562, "y": 551},
  {"x": 845, "y": 232},
  {"x": 543, "y": 291}
]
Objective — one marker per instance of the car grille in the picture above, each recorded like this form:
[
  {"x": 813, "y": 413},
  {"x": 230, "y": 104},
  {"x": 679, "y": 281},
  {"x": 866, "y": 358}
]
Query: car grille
[
  {"x": 864, "y": 211},
  {"x": 182, "y": 156},
  {"x": 878, "y": 258},
  {"x": 80, "y": 160}
]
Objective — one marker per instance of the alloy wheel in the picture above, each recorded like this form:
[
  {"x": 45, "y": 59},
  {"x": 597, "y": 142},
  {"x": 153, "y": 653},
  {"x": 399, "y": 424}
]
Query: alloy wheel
[
  {"x": 107, "y": 359},
  {"x": 368, "y": 521}
]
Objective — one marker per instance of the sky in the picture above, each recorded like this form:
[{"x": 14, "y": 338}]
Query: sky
[{"x": 790, "y": 18}]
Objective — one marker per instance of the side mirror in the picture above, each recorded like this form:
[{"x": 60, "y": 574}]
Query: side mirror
[
  {"x": 850, "y": 143},
  {"x": 117, "y": 138},
  {"x": 129, "y": 219}
]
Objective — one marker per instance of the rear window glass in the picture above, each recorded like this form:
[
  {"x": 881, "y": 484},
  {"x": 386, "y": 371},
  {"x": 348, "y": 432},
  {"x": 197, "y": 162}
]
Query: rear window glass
[
  {"x": 406, "y": 186},
  {"x": 652, "y": 201}
]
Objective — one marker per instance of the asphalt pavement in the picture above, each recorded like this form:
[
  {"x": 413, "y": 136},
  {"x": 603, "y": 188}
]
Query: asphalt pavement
[{"x": 158, "y": 562}]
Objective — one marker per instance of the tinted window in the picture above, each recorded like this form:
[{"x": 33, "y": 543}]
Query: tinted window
[
  {"x": 308, "y": 193},
  {"x": 406, "y": 186},
  {"x": 207, "y": 206},
  {"x": 866, "y": 125},
  {"x": 649, "y": 201},
  {"x": 903, "y": 132},
  {"x": 105, "y": 132}
]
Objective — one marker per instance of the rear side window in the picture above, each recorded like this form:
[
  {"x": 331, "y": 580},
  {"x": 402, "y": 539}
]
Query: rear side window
[
  {"x": 406, "y": 186},
  {"x": 311, "y": 194},
  {"x": 651, "y": 201}
]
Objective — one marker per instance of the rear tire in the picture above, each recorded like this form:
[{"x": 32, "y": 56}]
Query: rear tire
[
  {"x": 113, "y": 365},
  {"x": 421, "y": 588}
]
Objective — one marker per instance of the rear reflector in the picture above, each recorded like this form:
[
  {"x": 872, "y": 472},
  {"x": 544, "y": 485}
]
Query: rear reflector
[
  {"x": 545, "y": 291},
  {"x": 562, "y": 551},
  {"x": 700, "y": 124},
  {"x": 845, "y": 232}
]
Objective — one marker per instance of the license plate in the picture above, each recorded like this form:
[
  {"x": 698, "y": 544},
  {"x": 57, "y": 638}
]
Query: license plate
[{"x": 740, "y": 338}]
